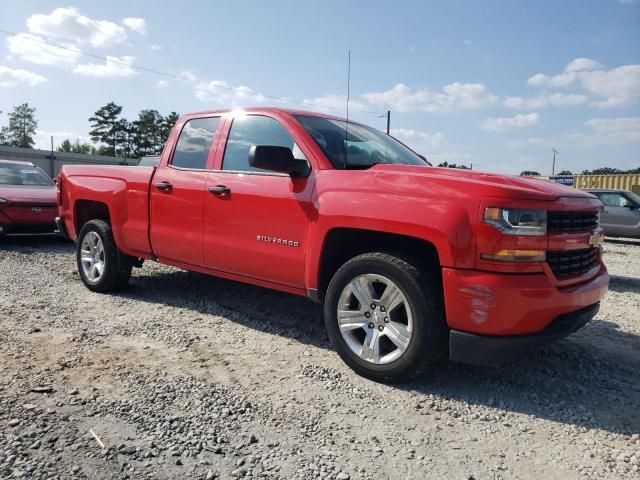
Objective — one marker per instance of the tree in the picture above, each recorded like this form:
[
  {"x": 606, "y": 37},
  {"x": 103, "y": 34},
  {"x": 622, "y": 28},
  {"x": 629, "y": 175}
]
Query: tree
[
  {"x": 4, "y": 136},
  {"x": 85, "y": 148},
  {"x": 602, "y": 171},
  {"x": 149, "y": 130},
  {"x": 453, "y": 165},
  {"x": 165, "y": 129},
  {"x": 565, "y": 172},
  {"x": 107, "y": 128},
  {"x": 126, "y": 139},
  {"x": 529, "y": 173},
  {"x": 22, "y": 126},
  {"x": 65, "y": 146}
]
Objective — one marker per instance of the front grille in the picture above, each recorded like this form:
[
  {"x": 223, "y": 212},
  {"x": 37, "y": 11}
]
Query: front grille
[
  {"x": 571, "y": 221},
  {"x": 571, "y": 263}
]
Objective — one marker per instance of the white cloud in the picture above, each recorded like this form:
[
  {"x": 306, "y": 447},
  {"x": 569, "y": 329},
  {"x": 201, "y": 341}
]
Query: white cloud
[
  {"x": 220, "y": 92},
  {"x": 328, "y": 103},
  {"x": 11, "y": 77},
  {"x": 568, "y": 76},
  {"x": 561, "y": 80},
  {"x": 546, "y": 99},
  {"x": 69, "y": 24},
  {"x": 468, "y": 43},
  {"x": 501, "y": 124},
  {"x": 583, "y": 64},
  {"x": 42, "y": 138},
  {"x": 113, "y": 67},
  {"x": 138, "y": 25},
  {"x": 618, "y": 87},
  {"x": 161, "y": 84},
  {"x": 453, "y": 96},
  {"x": 31, "y": 48},
  {"x": 414, "y": 137},
  {"x": 598, "y": 132},
  {"x": 156, "y": 47},
  {"x": 615, "y": 130}
]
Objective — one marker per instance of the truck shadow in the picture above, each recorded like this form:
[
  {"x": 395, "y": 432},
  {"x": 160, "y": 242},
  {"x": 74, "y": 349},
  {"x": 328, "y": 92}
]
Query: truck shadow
[
  {"x": 622, "y": 284},
  {"x": 47, "y": 244},
  {"x": 623, "y": 241},
  {"x": 590, "y": 379}
]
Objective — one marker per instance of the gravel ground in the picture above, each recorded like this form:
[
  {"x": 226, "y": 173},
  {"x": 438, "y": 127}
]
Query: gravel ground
[{"x": 189, "y": 376}]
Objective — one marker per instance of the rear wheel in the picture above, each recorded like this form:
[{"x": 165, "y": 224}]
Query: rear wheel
[
  {"x": 385, "y": 318},
  {"x": 101, "y": 266}
]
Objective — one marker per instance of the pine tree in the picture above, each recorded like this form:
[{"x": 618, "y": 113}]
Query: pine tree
[
  {"x": 22, "y": 126},
  {"x": 107, "y": 128},
  {"x": 4, "y": 136},
  {"x": 148, "y": 139},
  {"x": 168, "y": 123},
  {"x": 65, "y": 146},
  {"x": 126, "y": 139}
]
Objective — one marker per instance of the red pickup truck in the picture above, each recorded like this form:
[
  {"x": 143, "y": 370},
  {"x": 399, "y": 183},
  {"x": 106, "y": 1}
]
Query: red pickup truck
[{"x": 413, "y": 263}]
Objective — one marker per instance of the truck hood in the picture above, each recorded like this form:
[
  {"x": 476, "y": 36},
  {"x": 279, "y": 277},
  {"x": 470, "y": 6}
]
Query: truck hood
[
  {"x": 483, "y": 184},
  {"x": 28, "y": 193}
]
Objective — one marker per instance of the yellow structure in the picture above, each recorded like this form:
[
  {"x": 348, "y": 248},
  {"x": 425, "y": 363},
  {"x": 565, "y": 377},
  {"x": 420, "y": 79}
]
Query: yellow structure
[{"x": 626, "y": 181}]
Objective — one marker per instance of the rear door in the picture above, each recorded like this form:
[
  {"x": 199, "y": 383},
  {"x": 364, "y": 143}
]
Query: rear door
[
  {"x": 255, "y": 220},
  {"x": 177, "y": 191}
]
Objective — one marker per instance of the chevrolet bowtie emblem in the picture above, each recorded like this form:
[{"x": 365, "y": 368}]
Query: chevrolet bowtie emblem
[{"x": 596, "y": 239}]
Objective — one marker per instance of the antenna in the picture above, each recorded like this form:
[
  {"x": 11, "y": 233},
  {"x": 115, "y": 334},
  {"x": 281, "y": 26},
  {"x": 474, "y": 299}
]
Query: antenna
[
  {"x": 348, "y": 83},
  {"x": 346, "y": 128}
]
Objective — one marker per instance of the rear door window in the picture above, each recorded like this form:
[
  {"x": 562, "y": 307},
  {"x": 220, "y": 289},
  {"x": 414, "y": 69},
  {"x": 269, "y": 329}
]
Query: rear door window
[{"x": 194, "y": 143}]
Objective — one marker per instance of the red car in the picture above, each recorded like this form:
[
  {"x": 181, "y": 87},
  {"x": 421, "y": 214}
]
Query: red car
[
  {"x": 27, "y": 200},
  {"x": 412, "y": 263}
]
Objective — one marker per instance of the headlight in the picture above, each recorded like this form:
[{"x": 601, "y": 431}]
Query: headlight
[
  {"x": 517, "y": 221},
  {"x": 3, "y": 201}
]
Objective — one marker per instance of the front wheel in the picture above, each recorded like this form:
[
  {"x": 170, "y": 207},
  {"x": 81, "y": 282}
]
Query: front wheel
[
  {"x": 101, "y": 266},
  {"x": 385, "y": 318}
]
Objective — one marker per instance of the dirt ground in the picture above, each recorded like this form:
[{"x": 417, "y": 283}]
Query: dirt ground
[{"x": 183, "y": 375}]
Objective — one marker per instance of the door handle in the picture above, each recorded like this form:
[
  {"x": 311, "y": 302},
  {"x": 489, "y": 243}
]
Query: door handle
[
  {"x": 163, "y": 186},
  {"x": 220, "y": 190}
]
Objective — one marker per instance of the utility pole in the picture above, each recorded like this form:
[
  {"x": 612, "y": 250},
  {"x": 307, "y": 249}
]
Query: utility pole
[
  {"x": 53, "y": 165},
  {"x": 555, "y": 152},
  {"x": 388, "y": 121}
]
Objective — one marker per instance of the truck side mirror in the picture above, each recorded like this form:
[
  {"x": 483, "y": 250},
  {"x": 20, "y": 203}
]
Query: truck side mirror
[{"x": 277, "y": 159}]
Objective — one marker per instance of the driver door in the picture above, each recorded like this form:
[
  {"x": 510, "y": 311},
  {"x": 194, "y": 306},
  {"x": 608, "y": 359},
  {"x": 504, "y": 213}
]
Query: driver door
[{"x": 256, "y": 220}]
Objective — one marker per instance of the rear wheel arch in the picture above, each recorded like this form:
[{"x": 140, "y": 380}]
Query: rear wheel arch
[{"x": 86, "y": 210}]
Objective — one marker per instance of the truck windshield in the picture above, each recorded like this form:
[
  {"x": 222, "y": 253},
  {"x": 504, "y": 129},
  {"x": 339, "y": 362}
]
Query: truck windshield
[
  {"x": 20, "y": 174},
  {"x": 355, "y": 146}
]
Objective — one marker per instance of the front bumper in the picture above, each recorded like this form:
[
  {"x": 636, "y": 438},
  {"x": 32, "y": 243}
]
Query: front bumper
[
  {"x": 493, "y": 349},
  {"x": 491, "y": 303}
]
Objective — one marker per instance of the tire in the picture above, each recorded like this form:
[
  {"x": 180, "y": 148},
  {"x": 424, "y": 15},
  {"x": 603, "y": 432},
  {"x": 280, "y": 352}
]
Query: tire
[
  {"x": 116, "y": 267},
  {"x": 415, "y": 329}
]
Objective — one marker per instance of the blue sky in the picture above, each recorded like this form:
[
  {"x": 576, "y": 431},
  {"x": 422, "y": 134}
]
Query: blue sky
[{"x": 493, "y": 83}]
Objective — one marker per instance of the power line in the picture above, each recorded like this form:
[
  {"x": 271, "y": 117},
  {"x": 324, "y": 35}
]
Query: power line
[{"x": 181, "y": 77}]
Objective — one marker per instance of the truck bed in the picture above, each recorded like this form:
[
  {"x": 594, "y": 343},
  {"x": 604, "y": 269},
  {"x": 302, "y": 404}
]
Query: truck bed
[{"x": 123, "y": 190}]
